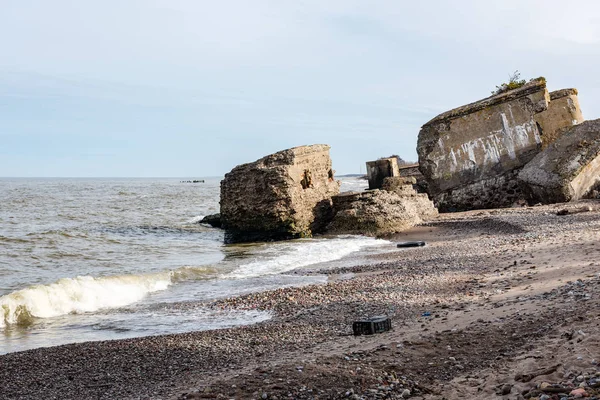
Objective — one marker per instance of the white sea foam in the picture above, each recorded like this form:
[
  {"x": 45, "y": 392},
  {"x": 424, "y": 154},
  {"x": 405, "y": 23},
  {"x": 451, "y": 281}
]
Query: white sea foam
[
  {"x": 195, "y": 220},
  {"x": 78, "y": 295},
  {"x": 88, "y": 293},
  {"x": 286, "y": 256}
]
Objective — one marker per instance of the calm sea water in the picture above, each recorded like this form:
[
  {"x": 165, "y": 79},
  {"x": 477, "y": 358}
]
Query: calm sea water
[{"x": 96, "y": 259}]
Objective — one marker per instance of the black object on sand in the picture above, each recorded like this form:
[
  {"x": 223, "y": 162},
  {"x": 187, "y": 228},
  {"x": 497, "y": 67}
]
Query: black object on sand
[
  {"x": 411, "y": 244},
  {"x": 372, "y": 325}
]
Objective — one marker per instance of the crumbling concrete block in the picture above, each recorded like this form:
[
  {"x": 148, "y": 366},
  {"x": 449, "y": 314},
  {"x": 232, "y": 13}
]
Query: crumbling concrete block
[
  {"x": 380, "y": 169},
  {"x": 281, "y": 196},
  {"x": 412, "y": 170},
  {"x": 470, "y": 156},
  {"x": 379, "y": 212},
  {"x": 568, "y": 169},
  {"x": 562, "y": 113}
]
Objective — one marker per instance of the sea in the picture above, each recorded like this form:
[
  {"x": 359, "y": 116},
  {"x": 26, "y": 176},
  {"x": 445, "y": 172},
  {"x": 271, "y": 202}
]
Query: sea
[{"x": 85, "y": 259}]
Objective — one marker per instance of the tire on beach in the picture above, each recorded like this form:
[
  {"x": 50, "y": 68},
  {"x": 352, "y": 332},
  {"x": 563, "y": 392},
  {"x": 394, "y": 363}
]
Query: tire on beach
[{"x": 411, "y": 244}]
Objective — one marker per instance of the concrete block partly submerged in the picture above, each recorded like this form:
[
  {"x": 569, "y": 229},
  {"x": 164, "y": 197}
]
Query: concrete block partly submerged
[{"x": 281, "y": 196}]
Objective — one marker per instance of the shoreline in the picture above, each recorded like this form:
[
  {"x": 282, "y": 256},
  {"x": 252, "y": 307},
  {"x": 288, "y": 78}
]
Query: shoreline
[{"x": 495, "y": 283}]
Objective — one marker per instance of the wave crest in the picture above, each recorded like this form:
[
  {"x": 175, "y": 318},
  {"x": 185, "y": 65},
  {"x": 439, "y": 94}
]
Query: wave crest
[{"x": 78, "y": 295}]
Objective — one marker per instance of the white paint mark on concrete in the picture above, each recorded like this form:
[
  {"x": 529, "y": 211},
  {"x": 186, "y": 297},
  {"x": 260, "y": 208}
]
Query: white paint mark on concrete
[{"x": 508, "y": 142}]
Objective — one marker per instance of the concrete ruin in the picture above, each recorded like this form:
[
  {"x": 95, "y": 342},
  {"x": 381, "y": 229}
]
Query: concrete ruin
[
  {"x": 563, "y": 107},
  {"x": 284, "y": 195},
  {"x": 470, "y": 156},
  {"x": 568, "y": 169},
  {"x": 380, "y": 169},
  {"x": 412, "y": 171},
  {"x": 379, "y": 212}
]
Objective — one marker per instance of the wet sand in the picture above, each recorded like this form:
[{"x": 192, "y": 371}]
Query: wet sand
[{"x": 499, "y": 304}]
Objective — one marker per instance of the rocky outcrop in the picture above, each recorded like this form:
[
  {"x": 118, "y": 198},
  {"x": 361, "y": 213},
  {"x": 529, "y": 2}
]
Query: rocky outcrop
[
  {"x": 379, "y": 212},
  {"x": 568, "y": 169},
  {"x": 281, "y": 196},
  {"x": 470, "y": 156},
  {"x": 380, "y": 169}
]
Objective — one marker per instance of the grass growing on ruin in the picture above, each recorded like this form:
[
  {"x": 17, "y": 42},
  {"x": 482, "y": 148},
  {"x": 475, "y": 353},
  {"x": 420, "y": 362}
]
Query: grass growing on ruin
[{"x": 514, "y": 82}]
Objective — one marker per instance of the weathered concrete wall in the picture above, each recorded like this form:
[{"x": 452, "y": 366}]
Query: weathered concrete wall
[
  {"x": 412, "y": 170},
  {"x": 567, "y": 169},
  {"x": 281, "y": 196},
  {"x": 409, "y": 170},
  {"x": 399, "y": 184},
  {"x": 563, "y": 112},
  {"x": 470, "y": 156},
  {"x": 379, "y": 212},
  {"x": 380, "y": 169}
]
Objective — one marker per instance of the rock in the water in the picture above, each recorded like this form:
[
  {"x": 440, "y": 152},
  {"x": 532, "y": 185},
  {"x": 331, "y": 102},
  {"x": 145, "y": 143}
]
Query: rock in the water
[
  {"x": 470, "y": 156},
  {"x": 281, "y": 196},
  {"x": 568, "y": 169},
  {"x": 213, "y": 220},
  {"x": 378, "y": 212}
]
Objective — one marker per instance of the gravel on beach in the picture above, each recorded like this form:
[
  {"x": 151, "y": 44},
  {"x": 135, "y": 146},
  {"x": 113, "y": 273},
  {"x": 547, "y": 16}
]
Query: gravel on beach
[{"x": 499, "y": 303}]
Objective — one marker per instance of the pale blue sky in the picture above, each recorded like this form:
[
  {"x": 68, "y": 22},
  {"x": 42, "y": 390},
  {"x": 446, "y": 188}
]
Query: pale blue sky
[{"x": 193, "y": 88}]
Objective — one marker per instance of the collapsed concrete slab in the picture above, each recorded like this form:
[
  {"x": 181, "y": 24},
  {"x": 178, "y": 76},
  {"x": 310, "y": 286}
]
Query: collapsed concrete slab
[
  {"x": 566, "y": 170},
  {"x": 379, "y": 212},
  {"x": 281, "y": 196},
  {"x": 380, "y": 169},
  {"x": 470, "y": 156}
]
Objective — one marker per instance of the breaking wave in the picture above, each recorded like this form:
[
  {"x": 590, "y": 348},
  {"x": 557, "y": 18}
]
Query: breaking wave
[
  {"x": 87, "y": 294},
  {"x": 84, "y": 294}
]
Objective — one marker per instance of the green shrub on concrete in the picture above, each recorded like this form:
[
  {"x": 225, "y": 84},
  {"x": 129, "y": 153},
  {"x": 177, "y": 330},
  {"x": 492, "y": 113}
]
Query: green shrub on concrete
[{"x": 514, "y": 82}]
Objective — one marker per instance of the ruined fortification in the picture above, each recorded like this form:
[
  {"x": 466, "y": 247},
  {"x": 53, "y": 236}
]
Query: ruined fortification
[
  {"x": 567, "y": 169},
  {"x": 380, "y": 169},
  {"x": 470, "y": 156},
  {"x": 395, "y": 208},
  {"x": 281, "y": 196},
  {"x": 562, "y": 109}
]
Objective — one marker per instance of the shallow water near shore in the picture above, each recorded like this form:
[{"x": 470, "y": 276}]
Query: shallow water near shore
[{"x": 97, "y": 259}]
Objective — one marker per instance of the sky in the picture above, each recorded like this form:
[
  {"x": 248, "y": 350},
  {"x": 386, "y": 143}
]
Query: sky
[{"x": 192, "y": 88}]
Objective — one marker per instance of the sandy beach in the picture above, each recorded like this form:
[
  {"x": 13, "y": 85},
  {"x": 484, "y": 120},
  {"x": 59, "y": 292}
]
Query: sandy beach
[{"x": 499, "y": 304}]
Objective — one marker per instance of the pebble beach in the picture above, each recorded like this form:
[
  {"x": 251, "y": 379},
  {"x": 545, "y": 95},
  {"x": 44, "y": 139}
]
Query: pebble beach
[{"x": 498, "y": 304}]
